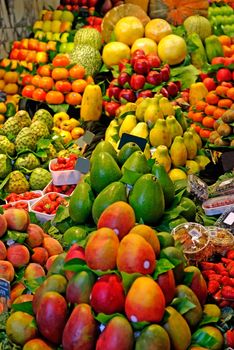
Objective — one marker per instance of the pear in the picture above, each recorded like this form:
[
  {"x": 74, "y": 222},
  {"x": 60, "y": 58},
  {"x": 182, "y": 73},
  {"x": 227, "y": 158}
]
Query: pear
[
  {"x": 190, "y": 144},
  {"x": 174, "y": 126},
  {"x": 128, "y": 124},
  {"x": 140, "y": 130},
  {"x": 178, "y": 152},
  {"x": 160, "y": 135}
]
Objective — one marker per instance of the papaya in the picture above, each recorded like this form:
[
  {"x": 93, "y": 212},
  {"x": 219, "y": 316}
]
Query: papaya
[
  {"x": 80, "y": 204},
  {"x": 115, "y": 191},
  {"x": 126, "y": 151},
  {"x": 137, "y": 162},
  {"x": 104, "y": 146},
  {"x": 91, "y": 104},
  {"x": 167, "y": 185}
]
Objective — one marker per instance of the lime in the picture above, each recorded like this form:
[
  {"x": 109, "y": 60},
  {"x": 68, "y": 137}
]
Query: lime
[
  {"x": 189, "y": 208},
  {"x": 73, "y": 235}
]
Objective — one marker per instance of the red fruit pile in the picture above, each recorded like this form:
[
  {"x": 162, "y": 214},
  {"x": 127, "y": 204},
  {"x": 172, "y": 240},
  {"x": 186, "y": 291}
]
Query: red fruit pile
[
  {"x": 64, "y": 163},
  {"x": 220, "y": 278},
  {"x": 18, "y": 205},
  {"x": 49, "y": 203},
  {"x": 81, "y": 6},
  {"x": 14, "y": 197},
  {"x": 141, "y": 76},
  {"x": 63, "y": 189}
]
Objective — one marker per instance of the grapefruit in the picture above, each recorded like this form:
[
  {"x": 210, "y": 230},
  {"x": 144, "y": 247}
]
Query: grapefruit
[
  {"x": 172, "y": 49},
  {"x": 157, "y": 28},
  {"x": 114, "y": 52},
  {"x": 128, "y": 29},
  {"x": 145, "y": 44}
]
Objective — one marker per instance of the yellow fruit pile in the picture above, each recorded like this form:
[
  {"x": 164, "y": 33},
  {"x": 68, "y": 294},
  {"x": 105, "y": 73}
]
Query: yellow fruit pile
[
  {"x": 68, "y": 128},
  {"x": 170, "y": 141}
]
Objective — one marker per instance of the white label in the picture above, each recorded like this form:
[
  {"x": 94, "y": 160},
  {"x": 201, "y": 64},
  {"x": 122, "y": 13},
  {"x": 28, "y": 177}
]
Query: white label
[
  {"x": 229, "y": 219},
  {"x": 195, "y": 234},
  {"x": 224, "y": 183}
]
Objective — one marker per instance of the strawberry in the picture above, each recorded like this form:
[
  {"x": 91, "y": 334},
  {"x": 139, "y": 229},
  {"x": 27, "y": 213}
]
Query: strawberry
[
  {"x": 215, "y": 277},
  {"x": 213, "y": 286},
  {"x": 207, "y": 273},
  {"x": 219, "y": 268},
  {"x": 207, "y": 265},
  {"x": 231, "y": 272},
  {"x": 228, "y": 292},
  {"x": 230, "y": 254},
  {"x": 229, "y": 336},
  {"x": 227, "y": 281}
]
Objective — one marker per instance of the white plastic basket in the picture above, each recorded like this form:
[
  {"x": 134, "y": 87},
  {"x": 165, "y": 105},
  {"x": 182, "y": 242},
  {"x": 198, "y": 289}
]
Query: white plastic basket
[{"x": 64, "y": 177}]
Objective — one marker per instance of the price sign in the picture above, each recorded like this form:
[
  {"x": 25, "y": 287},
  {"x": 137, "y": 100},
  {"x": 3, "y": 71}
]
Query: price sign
[{"x": 140, "y": 141}]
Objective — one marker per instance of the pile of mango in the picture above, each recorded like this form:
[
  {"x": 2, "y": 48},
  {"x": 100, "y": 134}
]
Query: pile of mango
[{"x": 171, "y": 142}]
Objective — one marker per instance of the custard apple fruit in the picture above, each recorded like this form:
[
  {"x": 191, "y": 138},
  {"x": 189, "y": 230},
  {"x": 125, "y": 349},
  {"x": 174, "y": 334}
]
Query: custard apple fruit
[
  {"x": 24, "y": 118},
  {"x": 12, "y": 126},
  {"x": 6, "y": 146},
  {"x": 5, "y": 166},
  {"x": 45, "y": 116},
  {"x": 28, "y": 161},
  {"x": 39, "y": 178},
  {"x": 25, "y": 140},
  {"x": 17, "y": 183},
  {"x": 39, "y": 129}
]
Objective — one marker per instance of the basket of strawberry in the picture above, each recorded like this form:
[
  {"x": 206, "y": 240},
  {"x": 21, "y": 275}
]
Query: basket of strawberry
[{"x": 63, "y": 170}]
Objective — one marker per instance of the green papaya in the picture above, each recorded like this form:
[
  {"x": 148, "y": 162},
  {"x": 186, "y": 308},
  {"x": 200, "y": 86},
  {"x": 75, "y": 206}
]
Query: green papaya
[
  {"x": 126, "y": 151},
  {"x": 81, "y": 201},
  {"x": 104, "y": 146},
  {"x": 213, "y": 47},
  {"x": 136, "y": 162},
  {"x": 147, "y": 199},
  {"x": 104, "y": 170},
  {"x": 165, "y": 181},
  {"x": 114, "y": 192}
]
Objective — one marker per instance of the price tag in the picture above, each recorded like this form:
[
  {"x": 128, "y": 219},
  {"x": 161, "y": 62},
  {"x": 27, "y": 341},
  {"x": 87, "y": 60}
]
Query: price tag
[
  {"x": 195, "y": 234},
  {"x": 140, "y": 141},
  {"x": 86, "y": 139},
  {"x": 82, "y": 165},
  {"x": 229, "y": 219},
  {"x": 4, "y": 289}
]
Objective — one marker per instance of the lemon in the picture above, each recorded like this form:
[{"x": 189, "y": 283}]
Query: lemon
[
  {"x": 145, "y": 44},
  {"x": 114, "y": 52},
  {"x": 157, "y": 29},
  {"x": 128, "y": 29},
  {"x": 172, "y": 49},
  {"x": 177, "y": 174}
]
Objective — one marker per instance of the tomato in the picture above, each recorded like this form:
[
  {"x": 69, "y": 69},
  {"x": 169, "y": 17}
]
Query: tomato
[
  {"x": 204, "y": 133},
  {"x": 60, "y": 60},
  {"x": 27, "y": 79},
  {"x": 73, "y": 98},
  {"x": 39, "y": 95},
  {"x": 46, "y": 83},
  {"x": 28, "y": 91},
  {"x": 60, "y": 73},
  {"x": 44, "y": 71},
  {"x": 63, "y": 86},
  {"x": 77, "y": 72},
  {"x": 36, "y": 80},
  {"x": 54, "y": 97}
]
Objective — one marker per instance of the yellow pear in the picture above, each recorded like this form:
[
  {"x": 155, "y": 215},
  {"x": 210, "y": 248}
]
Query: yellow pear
[
  {"x": 160, "y": 135},
  {"x": 192, "y": 167},
  {"x": 196, "y": 137},
  {"x": 174, "y": 126},
  {"x": 152, "y": 113},
  {"x": 140, "y": 130},
  {"x": 178, "y": 152},
  {"x": 141, "y": 107},
  {"x": 190, "y": 144},
  {"x": 128, "y": 124},
  {"x": 162, "y": 157},
  {"x": 166, "y": 106}
]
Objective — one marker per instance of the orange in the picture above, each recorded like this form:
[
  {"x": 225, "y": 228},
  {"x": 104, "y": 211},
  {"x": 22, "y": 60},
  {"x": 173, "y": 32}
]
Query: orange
[
  {"x": 128, "y": 29},
  {"x": 172, "y": 49},
  {"x": 204, "y": 133},
  {"x": 218, "y": 113},
  {"x": 225, "y": 103},
  {"x": 54, "y": 97},
  {"x": 11, "y": 77},
  {"x": 2, "y": 84},
  {"x": 36, "y": 80},
  {"x": 210, "y": 109},
  {"x": 221, "y": 90},
  {"x": 212, "y": 98},
  {"x": 101, "y": 249},
  {"x": 114, "y": 52},
  {"x": 2, "y": 73},
  {"x": 157, "y": 29},
  {"x": 60, "y": 73},
  {"x": 208, "y": 122},
  {"x": 79, "y": 85},
  {"x": 145, "y": 44},
  {"x": 11, "y": 88},
  {"x": 73, "y": 98},
  {"x": 60, "y": 60},
  {"x": 77, "y": 72},
  {"x": 46, "y": 83},
  {"x": 149, "y": 234}
]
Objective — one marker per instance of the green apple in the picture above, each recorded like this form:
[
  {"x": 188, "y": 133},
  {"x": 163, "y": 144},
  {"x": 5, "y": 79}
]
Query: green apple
[
  {"x": 46, "y": 26},
  {"x": 55, "y": 26},
  {"x": 64, "y": 37},
  {"x": 67, "y": 16},
  {"x": 56, "y": 36},
  {"x": 49, "y": 36},
  {"x": 57, "y": 15},
  {"x": 63, "y": 48},
  {"x": 70, "y": 47}
]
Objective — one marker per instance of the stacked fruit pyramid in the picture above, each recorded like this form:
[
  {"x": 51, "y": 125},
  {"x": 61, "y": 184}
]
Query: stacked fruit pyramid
[{"x": 106, "y": 269}]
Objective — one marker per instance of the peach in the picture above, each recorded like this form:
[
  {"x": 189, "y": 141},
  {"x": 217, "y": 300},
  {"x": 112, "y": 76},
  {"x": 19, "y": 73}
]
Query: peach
[
  {"x": 17, "y": 219},
  {"x": 3, "y": 251},
  {"x": 50, "y": 261},
  {"x": 35, "y": 235},
  {"x": 3, "y": 225},
  {"x": 7, "y": 270},
  {"x": 18, "y": 255},
  {"x": 52, "y": 246},
  {"x": 40, "y": 255},
  {"x": 16, "y": 290},
  {"x": 33, "y": 271}
]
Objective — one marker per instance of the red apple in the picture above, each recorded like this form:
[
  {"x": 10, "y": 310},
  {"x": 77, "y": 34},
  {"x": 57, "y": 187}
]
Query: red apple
[
  {"x": 145, "y": 93},
  {"x": 16, "y": 45},
  {"x": 141, "y": 66},
  {"x": 22, "y": 54},
  {"x": 164, "y": 92},
  {"x": 27, "y": 79},
  {"x": 137, "y": 54},
  {"x": 32, "y": 44},
  {"x": 226, "y": 83},
  {"x": 218, "y": 60},
  {"x": 137, "y": 81},
  {"x": 172, "y": 89},
  {"x": 114, "y": 91},
  {"x": 123, "y": 78},
  {"x": 203, "y": 76},
  {"x": 165, "y": 73},
  {"x": 154, "y": 77},
  {"x": 210, "y": 83},
  {"x": 14, "y": 54},
  {"x": 123, "y": 63},
  {"x": 111, "y": 108},
  {"x": 224, "y": 74},
  {"x": 24, "y": 43},
  {"x": 128, "y": 95},
  {"x": 154, "y": 60}
]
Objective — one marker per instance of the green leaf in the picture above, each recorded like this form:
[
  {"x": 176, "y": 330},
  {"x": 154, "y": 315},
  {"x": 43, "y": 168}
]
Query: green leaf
[
  {"x": 182, "y": 305},
  {"x": 33, "y": 219},
  {"x": 188, "y": 277},
  {"x": 104, "y": 69},
  {"x": 202, "y": 338},
  {"x": 24, "y": 307},
  {"x": 163, "y": 265},
  {"x": 19, "y": 274},
  {"x": 128, "y": 279},
  {"x": 16, "y": 236},
  {"x": 206, "y": 319},
  {"x": 59, "y": 108},
  {"x": 32, "y": 285},
  {"x": 62, "y": 213},
  {"x": 138, "y": 326},
  {"x": 166, "y": 316},
  {"x": 186, "y": 74},
  {"x": 1, "y": 210},
  {"x": 4, "y": 182},
  {"x": 130, "y": 177},
  {"x": 104, "y": 318}
]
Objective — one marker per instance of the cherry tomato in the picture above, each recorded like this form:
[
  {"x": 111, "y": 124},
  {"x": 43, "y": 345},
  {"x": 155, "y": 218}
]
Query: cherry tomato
[
  {"x": 54, "y": 97},
  {"x": 39, "y": 95},
  {"x": 28, "y": 91},
  {"x": 60, "y": 60}
]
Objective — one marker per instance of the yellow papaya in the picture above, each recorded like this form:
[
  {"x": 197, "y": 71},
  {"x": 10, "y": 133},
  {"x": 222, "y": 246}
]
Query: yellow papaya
[{"x": 91, "y": 104}]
